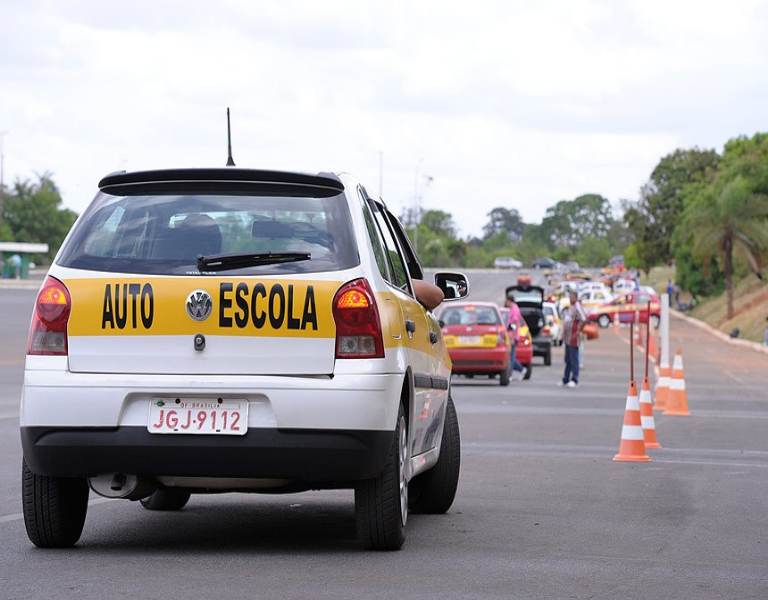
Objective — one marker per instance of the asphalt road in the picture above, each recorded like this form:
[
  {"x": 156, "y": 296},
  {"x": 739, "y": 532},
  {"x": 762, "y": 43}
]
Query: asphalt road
[{"x": 542, "y": 510}]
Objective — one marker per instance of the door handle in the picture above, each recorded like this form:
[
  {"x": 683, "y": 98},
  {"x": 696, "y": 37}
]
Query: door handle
[
  {"x": 410, "y": 326},
  {"x": 433, "y": 337}
]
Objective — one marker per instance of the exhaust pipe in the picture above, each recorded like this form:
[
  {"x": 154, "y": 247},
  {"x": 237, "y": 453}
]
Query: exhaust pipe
[{"x": 119, "y": 485}]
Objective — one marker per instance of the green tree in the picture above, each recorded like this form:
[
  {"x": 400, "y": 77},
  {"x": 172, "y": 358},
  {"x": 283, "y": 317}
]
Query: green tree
[
  {"x": 729, "y": 217},
  {"x": 570, "y": 222},
  {"x": 34, "y": 213},
  {"x": 438, "y": 222},
  {"x": 654, "y": 217},
  {"x": 504, "y": 220}
]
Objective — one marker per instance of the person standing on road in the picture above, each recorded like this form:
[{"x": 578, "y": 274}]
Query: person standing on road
[
  {"x": 513, "y": 326},
  {"x": 573, "y": 324}
]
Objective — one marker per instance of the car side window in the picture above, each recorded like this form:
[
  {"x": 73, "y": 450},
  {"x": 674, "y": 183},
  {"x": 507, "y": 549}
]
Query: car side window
[
  {"x": 412, "y": 261},
  {"x": 398, "y": 274},
  {"x": 375, "y": 237}
]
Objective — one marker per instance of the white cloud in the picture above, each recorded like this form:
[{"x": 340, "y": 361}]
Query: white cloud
[{"x": 508, "y": 103}]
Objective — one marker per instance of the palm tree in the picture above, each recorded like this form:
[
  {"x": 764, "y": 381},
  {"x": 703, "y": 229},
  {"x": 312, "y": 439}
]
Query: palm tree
[{"x": 733, "y": 219}]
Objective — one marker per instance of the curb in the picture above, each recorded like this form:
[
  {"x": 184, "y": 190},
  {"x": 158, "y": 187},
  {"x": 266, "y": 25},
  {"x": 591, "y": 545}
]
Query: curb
[{"x": 719, "y": 334}]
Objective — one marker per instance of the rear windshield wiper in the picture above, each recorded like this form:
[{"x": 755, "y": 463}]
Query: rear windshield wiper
[{"x": 225, "y": 262}]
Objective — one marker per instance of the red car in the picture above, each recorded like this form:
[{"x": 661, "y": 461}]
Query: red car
[
  {"x": 627, "y": 307},
  {"x": 476, "y": 338}
]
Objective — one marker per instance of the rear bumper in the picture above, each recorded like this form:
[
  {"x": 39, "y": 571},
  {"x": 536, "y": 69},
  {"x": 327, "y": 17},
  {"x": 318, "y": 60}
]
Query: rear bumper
[
  {"x": 524, "y": 355},
  {"x": 479, "y": 360},
  {"x": 542, "y": 346},
  {"x": 302, "y": 455}
]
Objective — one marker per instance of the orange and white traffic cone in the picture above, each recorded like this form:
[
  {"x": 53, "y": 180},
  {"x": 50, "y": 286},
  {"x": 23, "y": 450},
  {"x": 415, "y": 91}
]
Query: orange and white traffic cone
[
  {"x": 616, "y": 323},
  {"x": 646, "y": 416},
  {"x": 677, "y": 403},
  {"x": 632, "y": 446},
  {"x": 638, "y": 336},
  {"x": 662, "y": 387}
]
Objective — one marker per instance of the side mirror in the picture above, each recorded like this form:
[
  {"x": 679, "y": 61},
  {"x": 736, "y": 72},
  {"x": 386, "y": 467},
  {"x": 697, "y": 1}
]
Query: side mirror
[{"x": 455, "y": 286}]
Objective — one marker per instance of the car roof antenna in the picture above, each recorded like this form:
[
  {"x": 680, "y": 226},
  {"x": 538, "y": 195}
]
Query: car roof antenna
[{"x": 230, "y": 162}]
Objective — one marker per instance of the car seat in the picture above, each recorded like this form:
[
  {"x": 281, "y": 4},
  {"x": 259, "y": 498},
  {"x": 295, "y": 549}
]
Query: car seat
[{"x": 197, "y": 234}]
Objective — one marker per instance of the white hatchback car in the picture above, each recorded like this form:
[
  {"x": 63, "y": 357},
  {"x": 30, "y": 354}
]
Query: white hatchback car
[{"x": 210, "y": 330}]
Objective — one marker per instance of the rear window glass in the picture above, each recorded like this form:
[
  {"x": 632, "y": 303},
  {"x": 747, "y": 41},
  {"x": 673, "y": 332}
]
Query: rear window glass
[
  {"x": 470, "y": 315},
  {"x": 164, "y": 234}
]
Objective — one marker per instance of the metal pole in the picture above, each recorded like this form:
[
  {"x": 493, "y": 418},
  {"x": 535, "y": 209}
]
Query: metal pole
[
  {"x": 2, "y": 177},
  {"x": 631, "y": 351},
  {"x": 648, "y": 339},
  {"x": 416, "y": 203},
  {"x": 665, "y": 330}
]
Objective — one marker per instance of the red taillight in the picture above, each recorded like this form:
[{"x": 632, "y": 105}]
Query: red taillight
[
  {"x": 358, "y": 327},
  {"x": 501, "y": 337},
  {"x": 48, "y": 331}
]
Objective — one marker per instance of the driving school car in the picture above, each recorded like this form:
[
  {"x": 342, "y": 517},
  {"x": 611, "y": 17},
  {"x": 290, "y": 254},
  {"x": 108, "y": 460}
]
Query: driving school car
[
  {"x": 477, "y": 339},
  {"x": 629, "y": 307},
  {"x": 211, "y": 330}
]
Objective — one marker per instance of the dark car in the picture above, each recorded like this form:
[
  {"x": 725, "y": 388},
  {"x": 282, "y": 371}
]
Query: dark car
[
  {"x": 530, "y": 299},
  {"x": 544, "y": 263}
]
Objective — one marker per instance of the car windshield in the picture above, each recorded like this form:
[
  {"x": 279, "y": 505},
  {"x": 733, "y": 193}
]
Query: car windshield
[
  {"x": 528, "y": 296},
  {"x": 470, "y": 315},
  {"x": 165, "y": 234}
]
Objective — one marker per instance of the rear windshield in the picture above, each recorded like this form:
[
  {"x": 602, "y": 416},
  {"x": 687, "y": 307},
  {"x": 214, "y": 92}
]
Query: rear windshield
[
  {"x": 470, "y": 315},
  {"x": 164, "y": 234}
]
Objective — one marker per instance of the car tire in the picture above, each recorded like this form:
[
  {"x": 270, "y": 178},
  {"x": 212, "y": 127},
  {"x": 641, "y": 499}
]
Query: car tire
[
  {"x": 548, "y": 358},
  {"x": 166, "y": 499},
  {"x": 528, "y": 371},
  {"x": 434, "y": 491},
  {"x": 604, "y": 321},
  {"x": 504, "y": 377},
  {"x": 54, "y": 508},
  {"x": 381, "y": 503}
]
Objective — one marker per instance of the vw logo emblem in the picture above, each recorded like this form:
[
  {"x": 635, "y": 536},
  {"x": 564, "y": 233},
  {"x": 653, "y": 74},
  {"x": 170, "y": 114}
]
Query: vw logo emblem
[{"x": 199, "y": 305}]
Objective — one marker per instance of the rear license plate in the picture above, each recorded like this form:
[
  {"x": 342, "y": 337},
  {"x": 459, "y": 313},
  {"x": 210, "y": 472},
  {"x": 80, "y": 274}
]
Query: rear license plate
[
  {"x": 198, "y": 416},
  {"x": 469, "y": 340}
]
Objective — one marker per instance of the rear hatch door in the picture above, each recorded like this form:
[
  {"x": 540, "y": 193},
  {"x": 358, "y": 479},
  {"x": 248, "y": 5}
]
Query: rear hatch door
[{"x": 194, "y": 325}]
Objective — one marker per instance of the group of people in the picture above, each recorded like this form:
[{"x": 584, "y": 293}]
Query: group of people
[{"x": 574, "y": 321}]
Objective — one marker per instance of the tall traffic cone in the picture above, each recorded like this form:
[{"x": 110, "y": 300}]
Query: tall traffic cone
[
  {"x": 662, "y": 387},
  {"x": 646, "y": 416},
  {"x": 616, "y": 322},
  {"x": 632, "y": 446},
  {"x": 677, "y": 403}
]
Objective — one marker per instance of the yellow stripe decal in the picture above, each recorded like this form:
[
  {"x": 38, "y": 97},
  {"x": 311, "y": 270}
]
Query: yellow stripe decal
[{"x": 158, "y": 306}]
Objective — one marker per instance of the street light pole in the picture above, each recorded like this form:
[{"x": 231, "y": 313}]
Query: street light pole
[
  {"x": 416, "y": 218},
  {"x": 2, "y": 177}
]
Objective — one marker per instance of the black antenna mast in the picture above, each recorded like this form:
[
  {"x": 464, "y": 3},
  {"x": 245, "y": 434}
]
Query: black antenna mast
[{"x": 230, "y": 162}]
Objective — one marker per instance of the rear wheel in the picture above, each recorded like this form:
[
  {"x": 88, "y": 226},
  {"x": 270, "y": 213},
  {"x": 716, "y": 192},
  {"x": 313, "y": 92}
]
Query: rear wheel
[
  {"x": 54, "y": 508},
  {"x": 504, "y": 377},
  {"x": 381, "y": 503},
  {"x": 528, "y": 371},
  {"x": 604, "y": 321},
  {"x": 166, "y": 499},
  {"x": 434, "y": 491}
]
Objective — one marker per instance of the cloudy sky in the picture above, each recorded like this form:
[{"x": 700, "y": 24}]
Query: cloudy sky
[{"x": 467, "y": 105}]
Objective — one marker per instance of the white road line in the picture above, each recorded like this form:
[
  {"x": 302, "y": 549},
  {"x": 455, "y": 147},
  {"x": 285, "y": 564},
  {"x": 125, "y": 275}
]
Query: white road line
[{"x": 20, "y": 516}]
